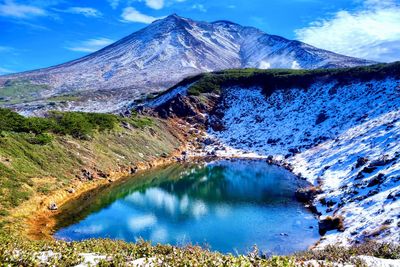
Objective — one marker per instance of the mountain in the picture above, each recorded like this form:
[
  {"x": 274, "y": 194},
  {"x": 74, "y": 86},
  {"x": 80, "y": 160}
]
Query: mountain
[{"x": 155, "y": 58}]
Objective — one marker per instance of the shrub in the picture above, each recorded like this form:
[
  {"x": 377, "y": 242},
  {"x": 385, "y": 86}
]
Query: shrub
[
  {"x": 11, "y": 121},
  {"x": 37, "y": 125},
  {"x": 41, "y": 139},
  {"x": 77, "y": 124},
  {"x": 72, "y": 123}
]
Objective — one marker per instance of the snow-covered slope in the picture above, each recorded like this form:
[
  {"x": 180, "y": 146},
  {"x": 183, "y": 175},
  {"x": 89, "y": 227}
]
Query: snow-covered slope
[
  {"x": 344, "y": 138},
  {"x": 160, "y": 55}
]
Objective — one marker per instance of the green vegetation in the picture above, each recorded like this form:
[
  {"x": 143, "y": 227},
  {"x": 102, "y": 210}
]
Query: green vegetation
[
  {"x": 120, "y": 253},
  {"x": 39, "y": 155},
  {"x": 63, "y": 98},
  {"x": 138, "y": 121},
  {"x": 16, "y": 91},
  {"x": 271, "y": 80},
  {"x": 76, "y": 124}
]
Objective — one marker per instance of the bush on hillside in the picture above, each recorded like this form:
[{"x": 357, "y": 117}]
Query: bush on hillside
[
  {"x": 76, "y": 124},
  {"x": 41, "y": 139}
]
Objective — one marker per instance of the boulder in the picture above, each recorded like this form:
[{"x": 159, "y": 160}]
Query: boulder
[
  {"x": 321, "y": 118},
  {"x": 361, "y": 161},
  {"x": 306, "y": 195},
  {"x": 376, "y": 181},
  {"x": 330, "y": 223},
  {"x": 369, "y": 169}
]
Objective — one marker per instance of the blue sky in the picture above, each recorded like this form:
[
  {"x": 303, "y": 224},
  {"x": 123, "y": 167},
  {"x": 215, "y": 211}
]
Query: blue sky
[{"x": 41, "y": 33}]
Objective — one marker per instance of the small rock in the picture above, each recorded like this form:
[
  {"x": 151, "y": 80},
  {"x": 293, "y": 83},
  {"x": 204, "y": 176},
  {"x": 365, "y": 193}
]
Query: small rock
[
  {"x": 133, "y": 170},
  {"x": 372, "y": 193},
  {"x": 294, "y": 150},
  {"x": 53, "y": 206},
  {"x": 208, "y": 141},
  {"x": 71, "y": 190},
  {"x": 376, "y": 181},
  {"x": 388, "y": 222},
  {"x": 321, "y": 118},
  {"x": 369, "y": 169},
  {"x": 359, "y": 176},
  {"x": 306, "y": 194}
]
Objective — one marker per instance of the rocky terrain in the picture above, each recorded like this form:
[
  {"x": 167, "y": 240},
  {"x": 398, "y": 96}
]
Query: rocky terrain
[
  {"x": 340, "y": 135},
  {"x": 153, "y": 59}
]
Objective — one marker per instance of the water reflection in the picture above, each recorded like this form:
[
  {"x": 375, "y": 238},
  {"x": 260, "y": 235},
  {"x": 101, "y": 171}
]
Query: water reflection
[{"x": 230, "y": 205}]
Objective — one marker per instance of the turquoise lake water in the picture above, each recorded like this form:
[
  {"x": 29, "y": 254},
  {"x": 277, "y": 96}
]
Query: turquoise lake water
[{"x": 228, "y": 206}]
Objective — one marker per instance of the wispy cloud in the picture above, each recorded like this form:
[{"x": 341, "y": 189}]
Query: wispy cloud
[
  {"x": 91, "y": 45},
  {"x": 12, "y": 9},
  {"x": 114, "y": 3},
  {"x": 154, "y": 4},
  {"x": 199, "y": 7},
  {"x": 5, "y": 71},
  {"x": 130, "y": 14},
  {"x": 5, "y": 49},
  {"x": 85, "y": 11},
  {"x": 371, "y": 32}
]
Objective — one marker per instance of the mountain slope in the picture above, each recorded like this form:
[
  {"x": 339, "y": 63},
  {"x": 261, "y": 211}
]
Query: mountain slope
[
  {"x": 338, "y": 129},
  {"x": 158, "y": 56}
]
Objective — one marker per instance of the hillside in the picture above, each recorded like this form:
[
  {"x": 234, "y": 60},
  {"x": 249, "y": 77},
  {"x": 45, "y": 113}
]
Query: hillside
[
  {"x": 153, "y": 59},
  {"x": 339, "y": 129},
  {"x": 51, "y": 160}
]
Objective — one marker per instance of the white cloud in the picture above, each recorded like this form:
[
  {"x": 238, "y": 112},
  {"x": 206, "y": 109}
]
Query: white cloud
[
  {"x": 91, "y": 45},
  {"x": 11, "y": 9},
  {"x": 155, "y": 4},
  {"x": 372, "y": 32},
  {"x": 141, "y": 222},
  {"x": 264, "y": 65},
  {"x": 85, "y": 11},
  {"x": 130, "y": 14},
  {"x": 295, "y": 65}
]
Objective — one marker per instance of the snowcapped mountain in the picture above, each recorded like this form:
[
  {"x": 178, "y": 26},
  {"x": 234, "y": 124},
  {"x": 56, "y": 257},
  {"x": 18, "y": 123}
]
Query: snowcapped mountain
[{"x": 160, "y": 55}]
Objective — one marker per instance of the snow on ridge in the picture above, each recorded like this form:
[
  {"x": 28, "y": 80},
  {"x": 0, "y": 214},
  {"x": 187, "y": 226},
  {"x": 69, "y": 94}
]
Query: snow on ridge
[
  {"x": 180, "y": 90},
  {"x": 322, "y": 132}
]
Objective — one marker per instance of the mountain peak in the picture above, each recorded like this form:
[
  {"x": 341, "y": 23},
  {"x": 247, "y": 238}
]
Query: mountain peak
[{"x": 173, "y": 17}]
